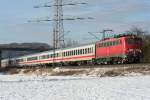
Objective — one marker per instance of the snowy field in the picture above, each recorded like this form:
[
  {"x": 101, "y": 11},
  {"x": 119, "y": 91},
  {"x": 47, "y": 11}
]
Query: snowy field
[{"x": 19, "y": 87}]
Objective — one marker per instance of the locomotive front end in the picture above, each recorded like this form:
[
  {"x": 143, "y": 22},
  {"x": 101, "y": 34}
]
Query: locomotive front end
[{"x": 134, "y": 49}]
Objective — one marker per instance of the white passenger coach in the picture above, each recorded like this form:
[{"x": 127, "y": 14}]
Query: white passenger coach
[{"x": 74, "y": 55}]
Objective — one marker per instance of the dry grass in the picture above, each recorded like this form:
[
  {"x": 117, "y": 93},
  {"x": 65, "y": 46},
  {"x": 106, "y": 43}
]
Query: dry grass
[
  {"x": 112, "y": 73},
  {"x": 103, "y": 72},
  {"x": 66, "y": 73}
]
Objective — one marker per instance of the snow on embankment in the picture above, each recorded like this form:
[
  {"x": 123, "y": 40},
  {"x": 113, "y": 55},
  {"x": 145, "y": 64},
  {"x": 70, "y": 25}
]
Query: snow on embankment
[
  {"x": 21, "y": 87},
  {"x": 101, "y": 71}
]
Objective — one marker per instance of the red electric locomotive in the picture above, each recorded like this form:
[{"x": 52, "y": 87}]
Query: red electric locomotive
[{"x": 120, "y": 49}]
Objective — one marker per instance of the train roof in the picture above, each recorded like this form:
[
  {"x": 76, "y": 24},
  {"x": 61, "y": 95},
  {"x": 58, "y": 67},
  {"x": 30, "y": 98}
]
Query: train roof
[
  {"x": 118, "y": 36},
  {"x": 52, "y": 50}
]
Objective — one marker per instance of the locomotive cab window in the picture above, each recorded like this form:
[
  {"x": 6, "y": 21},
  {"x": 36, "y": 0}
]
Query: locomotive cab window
[
  {"x": 32, "y": 58},
  {"x": 131, "y": 41}
]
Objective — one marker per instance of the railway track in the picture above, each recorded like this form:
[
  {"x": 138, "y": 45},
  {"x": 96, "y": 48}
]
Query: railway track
[
  {"x": 108, "y": 66},
  {"x": 99, "y": 70},
  {"x": 89, "y": 66}
]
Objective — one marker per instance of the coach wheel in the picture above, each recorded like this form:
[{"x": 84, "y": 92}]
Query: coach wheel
[{"x": 79, "y": 63}]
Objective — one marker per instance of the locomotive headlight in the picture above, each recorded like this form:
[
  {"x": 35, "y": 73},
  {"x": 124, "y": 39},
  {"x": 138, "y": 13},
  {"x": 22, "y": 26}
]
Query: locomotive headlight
[
  {"x": 130, "y": 50},
  {"x": 138, "y": 50}
]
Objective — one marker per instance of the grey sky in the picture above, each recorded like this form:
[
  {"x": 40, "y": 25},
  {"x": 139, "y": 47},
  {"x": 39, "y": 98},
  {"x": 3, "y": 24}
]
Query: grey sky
[{"x": 119, "y": 15}]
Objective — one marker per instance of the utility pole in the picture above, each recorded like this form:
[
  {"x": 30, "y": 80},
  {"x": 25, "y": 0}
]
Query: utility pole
[
  {"x": 58, "y": 29},
  {"x": 58, "y": 19}
]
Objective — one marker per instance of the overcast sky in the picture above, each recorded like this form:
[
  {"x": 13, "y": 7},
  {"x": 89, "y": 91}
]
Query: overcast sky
[{"x": 119, "y": 15}]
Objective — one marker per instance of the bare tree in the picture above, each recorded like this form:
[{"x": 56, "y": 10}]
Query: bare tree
[
  {"x": 137, "y": 31},
  {"x": 71, "y": 43}
]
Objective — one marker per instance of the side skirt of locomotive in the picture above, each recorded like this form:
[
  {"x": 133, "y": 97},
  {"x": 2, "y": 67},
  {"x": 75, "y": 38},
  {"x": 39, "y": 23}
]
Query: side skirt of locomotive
[{"x": 120, "y": 59}]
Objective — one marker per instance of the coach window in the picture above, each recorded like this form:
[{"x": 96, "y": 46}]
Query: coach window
[
  {"x": 77, "y": 52},
  {"x": 74, "y": 52},
  {"x": 87, "y": 50},
  {"x": 70, "y": 53},
  {"x": 92, "y": 50},
  {"x": 32, "y": 58},
  {"x": 66, "y": 53},
  {"x": 82, "y": 51}
]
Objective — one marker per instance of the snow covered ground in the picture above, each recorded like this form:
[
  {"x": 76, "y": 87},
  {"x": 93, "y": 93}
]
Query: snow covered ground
[{"x": 21, "y": 87}]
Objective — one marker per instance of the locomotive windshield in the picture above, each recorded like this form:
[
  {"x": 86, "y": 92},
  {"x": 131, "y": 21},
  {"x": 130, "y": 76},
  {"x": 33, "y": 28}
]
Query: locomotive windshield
[{"x": 131, "y": 41}]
